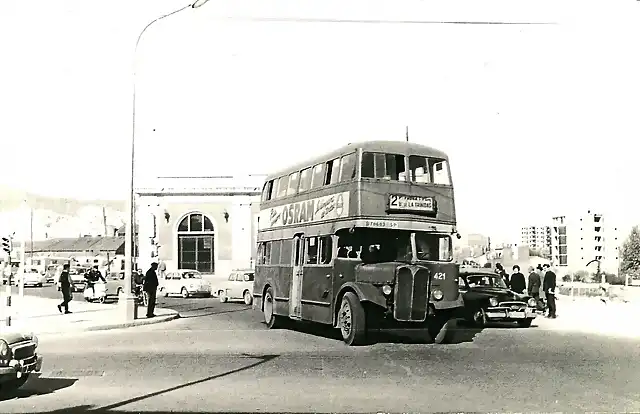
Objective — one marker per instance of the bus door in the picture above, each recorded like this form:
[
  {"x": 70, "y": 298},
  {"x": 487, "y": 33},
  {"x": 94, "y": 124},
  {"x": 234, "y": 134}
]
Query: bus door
[{"x": 295, "y": 295}]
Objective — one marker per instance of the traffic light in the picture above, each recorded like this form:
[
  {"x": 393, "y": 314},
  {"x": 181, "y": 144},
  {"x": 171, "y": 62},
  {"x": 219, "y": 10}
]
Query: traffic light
[{"x": 6, "y": 245}]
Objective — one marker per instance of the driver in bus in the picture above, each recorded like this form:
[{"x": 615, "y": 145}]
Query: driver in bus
[{"x": 423, "y": 249}]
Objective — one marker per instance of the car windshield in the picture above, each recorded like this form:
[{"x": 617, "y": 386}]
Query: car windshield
[{"x": 486, "y": 281}]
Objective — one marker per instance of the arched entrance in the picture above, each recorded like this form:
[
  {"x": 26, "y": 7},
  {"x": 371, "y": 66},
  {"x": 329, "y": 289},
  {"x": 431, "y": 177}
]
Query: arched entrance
[{"x": 196, "y": 243}]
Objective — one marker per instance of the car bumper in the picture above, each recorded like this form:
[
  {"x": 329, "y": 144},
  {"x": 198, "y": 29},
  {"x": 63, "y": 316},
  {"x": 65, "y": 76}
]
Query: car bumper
[
  {"x": 502, "y": 314},
  {"x": 200, "y": 291},
  {"x": 18, "y": 368}
]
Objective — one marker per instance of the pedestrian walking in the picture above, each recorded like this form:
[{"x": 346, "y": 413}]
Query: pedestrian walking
[
  {"x": 549, "y": 288},
  {"x": 150, "y": 286},
  {"x": 518, "y": 283},
  {"x": 65, "y": 288},
  {"x": 533, "y": 286}
]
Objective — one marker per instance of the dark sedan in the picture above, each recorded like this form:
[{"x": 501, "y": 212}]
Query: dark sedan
[{"x": 488, "y": 299}]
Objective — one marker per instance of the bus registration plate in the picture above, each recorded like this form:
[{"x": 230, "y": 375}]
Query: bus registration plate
[
  {"x": 399, "y": 202},
  {"x": 381, "y": 224}
]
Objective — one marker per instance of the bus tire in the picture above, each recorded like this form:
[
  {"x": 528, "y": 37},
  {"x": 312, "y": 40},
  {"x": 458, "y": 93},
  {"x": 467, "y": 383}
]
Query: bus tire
[
  {"x": 272, "y": 320},
  {"x": 352, "y": 320}
]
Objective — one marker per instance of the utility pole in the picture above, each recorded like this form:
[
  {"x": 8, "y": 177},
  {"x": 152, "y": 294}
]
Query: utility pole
[
  {"x": 407, "y": 132},
  {"x": 7, "y": 246},
  {"x": 104, "y": 221}
]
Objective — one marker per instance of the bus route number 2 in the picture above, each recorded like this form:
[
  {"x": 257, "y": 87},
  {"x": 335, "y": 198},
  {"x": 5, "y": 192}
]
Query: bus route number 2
[{"x": 439, "y": 276}]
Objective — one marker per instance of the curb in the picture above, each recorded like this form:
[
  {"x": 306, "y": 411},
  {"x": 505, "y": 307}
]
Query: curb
[
  {"x": 122, "y": 325},
  {"x": 137, "y": 322}
]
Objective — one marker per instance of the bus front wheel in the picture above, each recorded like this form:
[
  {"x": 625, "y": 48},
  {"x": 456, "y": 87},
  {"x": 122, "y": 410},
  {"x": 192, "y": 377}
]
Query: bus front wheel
[
  {"x": 272, "y": 320},
  {"x": 441, "y": 329},
  {"x": 352, "y": 320}
]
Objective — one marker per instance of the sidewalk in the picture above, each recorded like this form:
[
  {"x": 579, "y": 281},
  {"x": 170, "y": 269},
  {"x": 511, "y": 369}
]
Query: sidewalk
[
  {"x": 41, "y": 316},
  {"x": 590, "y": 315}
]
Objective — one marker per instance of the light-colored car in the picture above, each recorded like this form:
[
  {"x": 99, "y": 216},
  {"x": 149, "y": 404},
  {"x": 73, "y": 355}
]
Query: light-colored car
[
  {"x": 18, "y": 359},
  {"x": 184, "y": 282},
  {"x": 32, "y": 277},
  {"x": 239, "y": 286}
]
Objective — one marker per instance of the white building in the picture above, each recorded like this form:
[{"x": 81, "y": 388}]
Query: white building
[
  {"x": 536, "y": 237},
  {"x": 578, "y": 239},
  {"x": 203, "y": 223}
]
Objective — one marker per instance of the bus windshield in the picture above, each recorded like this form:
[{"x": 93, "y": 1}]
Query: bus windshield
[{"x": 378, "y": 245}]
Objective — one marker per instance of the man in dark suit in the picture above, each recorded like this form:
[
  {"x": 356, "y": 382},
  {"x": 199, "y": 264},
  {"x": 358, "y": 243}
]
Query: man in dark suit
[
  {"x": 518, "y": 283},
  {"x": 150, "y": 286},
  {"x": 65, "y": 288},
  {"x": 549, "y": 288}
]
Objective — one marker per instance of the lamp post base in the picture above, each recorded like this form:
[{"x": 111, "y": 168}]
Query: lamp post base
[{"x": 128, "y": 307}]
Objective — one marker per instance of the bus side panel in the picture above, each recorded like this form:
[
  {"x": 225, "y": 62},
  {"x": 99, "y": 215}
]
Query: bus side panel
[
  {"x": 317, "y": 294},
  {"x": 343, "y": 272},
  {"x": 282, "y": 286}
]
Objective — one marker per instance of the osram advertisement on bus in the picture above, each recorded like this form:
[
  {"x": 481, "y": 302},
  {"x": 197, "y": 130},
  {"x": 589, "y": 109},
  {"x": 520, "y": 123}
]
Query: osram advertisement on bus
[{"x": 329, "y": 207}]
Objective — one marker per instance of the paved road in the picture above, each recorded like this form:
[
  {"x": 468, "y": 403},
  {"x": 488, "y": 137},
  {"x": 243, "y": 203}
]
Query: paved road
[{"x": 220, "y": 357}]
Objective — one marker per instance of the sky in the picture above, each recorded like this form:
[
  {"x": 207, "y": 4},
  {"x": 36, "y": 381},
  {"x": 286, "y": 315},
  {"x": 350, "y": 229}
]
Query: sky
[{"x": 538, "y": 120}]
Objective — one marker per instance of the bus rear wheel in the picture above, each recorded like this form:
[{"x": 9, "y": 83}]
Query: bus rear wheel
[
  {"x": 272, "y": 320},
  {"x": 352, "y": 320}
]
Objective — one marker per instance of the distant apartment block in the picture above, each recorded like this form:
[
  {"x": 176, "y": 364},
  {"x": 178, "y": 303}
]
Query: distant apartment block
[
  {"x": 577, "y": 240},
  {"x": 537, "y": 238}
]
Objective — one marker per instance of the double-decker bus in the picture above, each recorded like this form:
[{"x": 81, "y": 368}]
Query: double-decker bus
[{"x": 360, "y": 238}]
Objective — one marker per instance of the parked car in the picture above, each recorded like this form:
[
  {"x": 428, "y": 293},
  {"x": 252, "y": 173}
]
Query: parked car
[
  {"x": 77, "y": 279},
  {"x": 239, "y": 285},
  {"x": 32, "y": 277},
  {"x": 184, "y": 282},
  {"x": 487, "y": 298},
  {"x": 18, "y": 359}
]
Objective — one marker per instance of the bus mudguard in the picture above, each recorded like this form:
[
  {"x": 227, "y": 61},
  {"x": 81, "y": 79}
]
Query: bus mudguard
[{"x": 366, "y": 293}]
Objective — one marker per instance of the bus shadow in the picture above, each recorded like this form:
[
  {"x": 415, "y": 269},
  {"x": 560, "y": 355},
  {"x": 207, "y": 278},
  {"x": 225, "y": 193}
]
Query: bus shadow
[{"x": 461, "y": 333}]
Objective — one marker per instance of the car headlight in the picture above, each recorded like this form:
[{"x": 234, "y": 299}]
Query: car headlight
[
  {"x": 493, "y": 301},
  {"x": 437, "y": 294},
  {"x": 35, "y": 339},
  {"x": 5, "y": 353},
  {"x": 386, "y": 289},
  {"x": 532, "y": 302}
]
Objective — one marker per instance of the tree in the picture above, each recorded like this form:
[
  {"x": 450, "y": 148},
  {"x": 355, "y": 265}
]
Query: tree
[{"x": 630, "y": 264}]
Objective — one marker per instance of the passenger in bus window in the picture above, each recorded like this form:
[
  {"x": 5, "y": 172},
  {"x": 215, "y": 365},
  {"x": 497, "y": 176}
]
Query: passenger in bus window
[{"x": 343, "y": 252}]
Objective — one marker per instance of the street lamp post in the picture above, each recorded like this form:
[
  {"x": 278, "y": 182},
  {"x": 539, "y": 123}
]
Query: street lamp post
[{"x": 128, "y": 301}]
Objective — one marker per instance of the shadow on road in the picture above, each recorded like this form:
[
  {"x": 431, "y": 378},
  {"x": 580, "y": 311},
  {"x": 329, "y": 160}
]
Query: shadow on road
[
  {"x": 113, "y": 407},
  {"x": 219, "y": 312},
  {"x": 462, "y": 333},
  {"x": 38, "y": 386}
]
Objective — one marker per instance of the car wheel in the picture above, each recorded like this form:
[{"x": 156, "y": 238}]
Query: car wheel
[
  {"x": 525, "y": 323},
  {"x": 102, "y": 299},
  {"x": 222, "y": 297},
  {"x": 352, "y": 320},
  {"x": 480, "y": 318},
  {"x": 272, "y": 320},
  {"x": 184, "y": 292},
  {"x": 441, "y": 329},
  {"x": 248, "y": 298}
]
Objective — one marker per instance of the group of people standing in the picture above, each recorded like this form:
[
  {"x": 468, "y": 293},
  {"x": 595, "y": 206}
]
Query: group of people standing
[
  {"x": 540, "y": 284},
  {"x": 149, "y": 285}
]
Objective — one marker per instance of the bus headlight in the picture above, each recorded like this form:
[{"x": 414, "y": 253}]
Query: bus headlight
[
  {"x": 493, "y": 301},
  {"x": 386, "y": 289},
  {"x": 532, "y": 302},
  {"x": 437, "y": 294}
]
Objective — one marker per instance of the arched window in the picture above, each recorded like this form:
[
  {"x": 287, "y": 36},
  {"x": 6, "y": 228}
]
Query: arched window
[{"x": 196, "y": 243}]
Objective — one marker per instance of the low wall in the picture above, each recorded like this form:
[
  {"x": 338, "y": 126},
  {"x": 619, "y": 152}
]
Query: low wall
[{"x": 614, "y": 292}]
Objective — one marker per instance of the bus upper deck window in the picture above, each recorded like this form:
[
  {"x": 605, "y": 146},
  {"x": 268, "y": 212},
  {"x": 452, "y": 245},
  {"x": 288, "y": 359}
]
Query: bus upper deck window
[
  {"x": 317, "y": 180},
  {"x": 440, "y": 172},
  {"x": 293, "y": 183},
  {"x": 305, "y": 180},
  {"x": 267, "y": 194},
  {"x": 282, "y": 186},
  {"x": 348, "y": 167},
  {"x": 333, "y": 172},
  {"x": 383, "y": 166},
  {"x": 419, "y": 169}
]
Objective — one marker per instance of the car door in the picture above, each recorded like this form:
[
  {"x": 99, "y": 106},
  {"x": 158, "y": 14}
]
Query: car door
[{"x": 169, "y": 283}]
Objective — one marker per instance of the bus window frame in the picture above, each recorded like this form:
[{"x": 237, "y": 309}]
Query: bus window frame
[
  {"x": 402, "y": 176},
  {"x": 293, "y": 191},
  {"x": 309, "y": 170},
  {"x": 321, "y": 174},
  {"x": 356, "y": 170}
]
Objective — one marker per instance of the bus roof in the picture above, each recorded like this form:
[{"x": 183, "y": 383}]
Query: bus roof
[{"x": 397, "y": 147}]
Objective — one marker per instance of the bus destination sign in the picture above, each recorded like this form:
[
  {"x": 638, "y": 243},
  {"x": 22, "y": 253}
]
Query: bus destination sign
[
  {"x": 411, "y": 204},
  {"x": 308, "y": 211}
]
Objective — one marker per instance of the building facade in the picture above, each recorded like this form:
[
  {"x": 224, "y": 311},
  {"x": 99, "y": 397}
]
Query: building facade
[
  {"x": 204, "y": 223},
  {"x": 579, "y": 239},
  {"x": 537, "y": 238}
]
